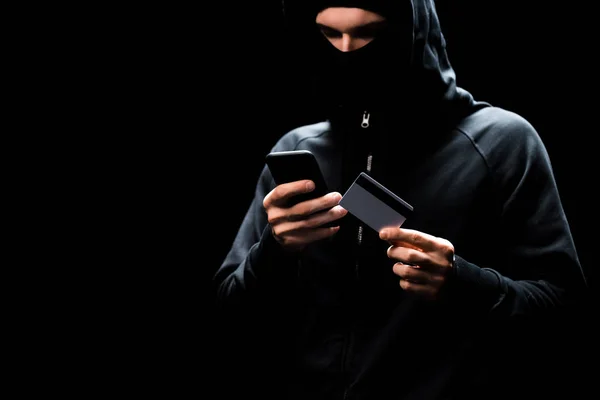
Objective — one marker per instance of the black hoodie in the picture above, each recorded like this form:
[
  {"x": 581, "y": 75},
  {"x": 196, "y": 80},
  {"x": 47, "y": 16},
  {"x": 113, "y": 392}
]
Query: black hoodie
[{"x": 333, "y": 323}]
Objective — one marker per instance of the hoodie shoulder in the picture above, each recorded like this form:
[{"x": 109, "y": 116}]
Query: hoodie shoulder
[
  {"x": 298, "y": 137},
  {"x": 508, "y": 142},
  {"x": 494, "y": 129}
]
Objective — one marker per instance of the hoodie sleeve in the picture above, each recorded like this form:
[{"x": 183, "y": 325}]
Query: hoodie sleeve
[
  {"x": 539, "y": 269},
  {"x": 256, "y": 264}
]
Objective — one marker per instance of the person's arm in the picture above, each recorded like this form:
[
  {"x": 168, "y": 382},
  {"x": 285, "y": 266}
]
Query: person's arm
[
  {"x": 540, "y": 269},
  {"x": 256, "y": 263}
]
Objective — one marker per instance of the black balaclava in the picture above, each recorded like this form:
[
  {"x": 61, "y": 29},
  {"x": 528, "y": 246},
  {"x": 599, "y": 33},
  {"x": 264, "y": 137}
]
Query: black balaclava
[{"x": 372, "y": 76}]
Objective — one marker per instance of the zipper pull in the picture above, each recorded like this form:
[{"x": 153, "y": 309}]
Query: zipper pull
[{"x": 365, "y": 120}]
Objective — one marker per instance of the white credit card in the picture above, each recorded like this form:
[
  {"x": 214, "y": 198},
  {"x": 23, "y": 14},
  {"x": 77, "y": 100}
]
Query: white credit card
[{"x": 374, "y": 204}]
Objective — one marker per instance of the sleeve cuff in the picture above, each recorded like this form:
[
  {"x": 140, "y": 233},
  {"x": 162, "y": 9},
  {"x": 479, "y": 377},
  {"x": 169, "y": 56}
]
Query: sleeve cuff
[
  {"x": 475, "y": 288},
  {"x": 271, "y": 259}
]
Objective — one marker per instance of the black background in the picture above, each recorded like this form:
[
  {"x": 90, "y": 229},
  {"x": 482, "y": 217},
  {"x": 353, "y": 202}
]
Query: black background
[{"x": 208, "y": 89}]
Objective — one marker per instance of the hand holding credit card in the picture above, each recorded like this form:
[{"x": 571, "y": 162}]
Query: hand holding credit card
[{"x": 374, "y": 204}]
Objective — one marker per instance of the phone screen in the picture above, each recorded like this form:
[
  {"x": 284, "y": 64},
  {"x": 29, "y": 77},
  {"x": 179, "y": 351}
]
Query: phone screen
[{"x": 290, "y": 166}]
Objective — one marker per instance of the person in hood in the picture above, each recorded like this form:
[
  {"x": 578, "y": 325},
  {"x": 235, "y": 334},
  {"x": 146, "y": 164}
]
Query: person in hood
[{"x": 457, "y": 302}]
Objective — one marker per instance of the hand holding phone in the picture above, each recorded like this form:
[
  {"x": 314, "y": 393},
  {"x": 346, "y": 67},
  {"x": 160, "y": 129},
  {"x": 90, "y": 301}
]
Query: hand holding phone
[{"x": 296, "y": 165}]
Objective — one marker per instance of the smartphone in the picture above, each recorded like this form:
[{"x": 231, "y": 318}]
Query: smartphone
[{"x": 296, "y": 165}]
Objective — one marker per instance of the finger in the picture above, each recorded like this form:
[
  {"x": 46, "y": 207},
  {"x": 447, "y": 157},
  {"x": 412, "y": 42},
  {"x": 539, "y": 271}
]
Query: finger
[
  {"x": 408, "y": 255},
  {"x": 311, "y": 213},
  {"x": 301, "y": 237},
  {"x": 409, "y": 238},
  {"x": 314, "y": 220},
  {"x": 323, "y": 217},
  {"x": 284, "y": 221},
  {"x": 282, "y": 193},
  {"x": 411, "y": 273},
  {"x": 317, "y": 205}
]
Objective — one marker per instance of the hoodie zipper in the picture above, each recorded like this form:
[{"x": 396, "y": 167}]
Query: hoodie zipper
[
  {"x": 350, "y": 339},
  {"x": 364, "y": 124},
  {"x": 365, "y": 119}
]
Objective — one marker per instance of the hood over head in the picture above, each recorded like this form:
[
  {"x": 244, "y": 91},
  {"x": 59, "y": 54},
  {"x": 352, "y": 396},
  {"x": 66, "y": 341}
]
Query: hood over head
[{"x": 406, "y": 67}]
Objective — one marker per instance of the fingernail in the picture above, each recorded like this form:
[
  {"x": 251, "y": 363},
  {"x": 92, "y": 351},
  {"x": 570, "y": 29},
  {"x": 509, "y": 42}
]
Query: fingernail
[{"x": 310, "y": 185}]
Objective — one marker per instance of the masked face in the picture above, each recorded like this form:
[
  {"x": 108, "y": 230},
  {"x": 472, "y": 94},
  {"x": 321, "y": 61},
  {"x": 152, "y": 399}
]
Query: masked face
[
  {"x": 361, "y": 60},
  {"x": 349, "y": 29}
]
